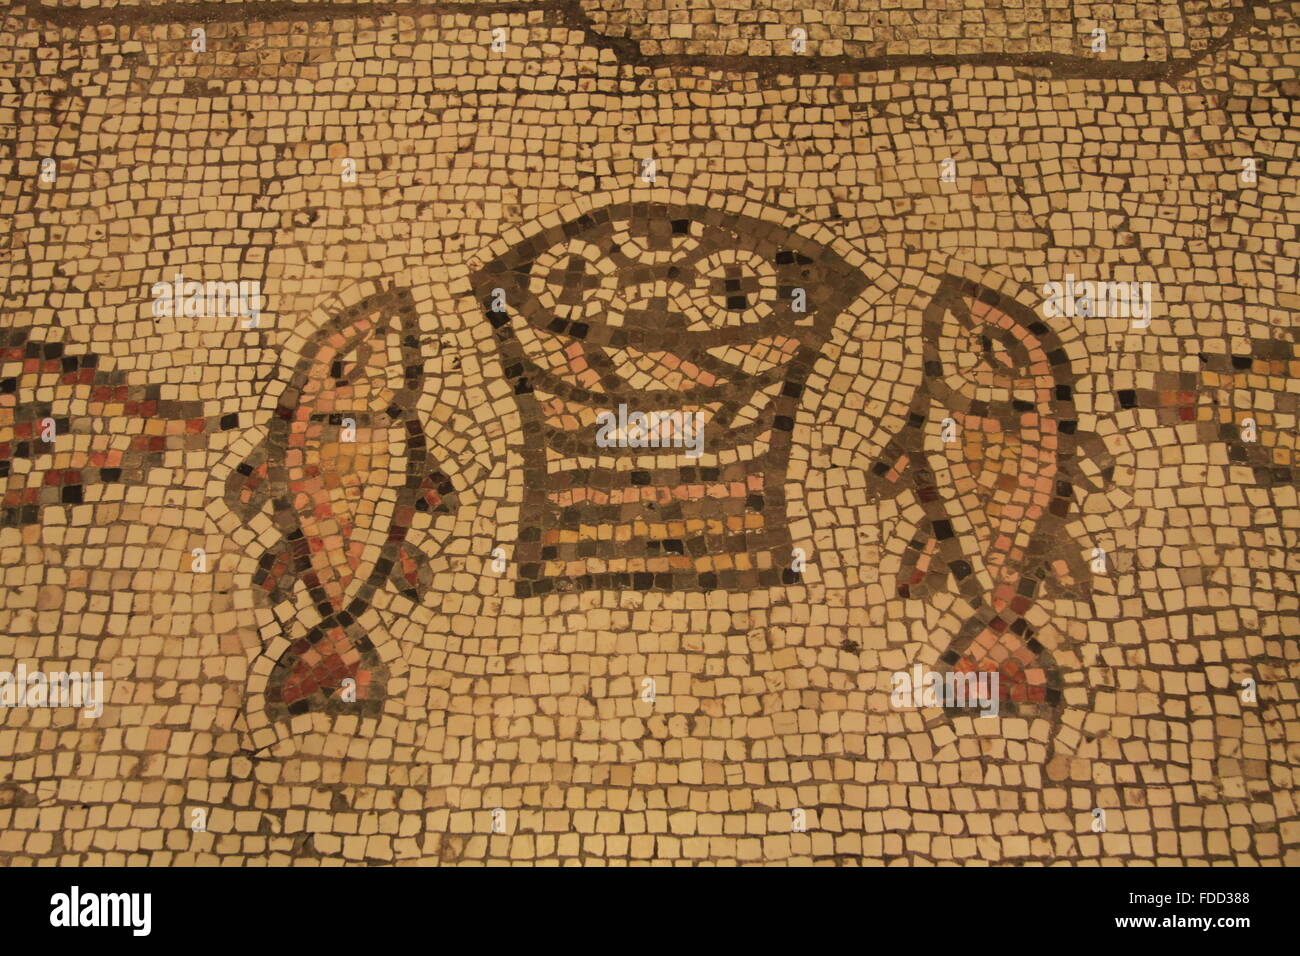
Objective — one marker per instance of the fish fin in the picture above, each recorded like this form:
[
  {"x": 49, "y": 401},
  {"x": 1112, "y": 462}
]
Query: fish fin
[
  {"x": 248, "y": 489},
  {"x": 437, "y": 495},
  {"x": 411, "y": 573},
  {"x": 276, "y": 573},
  {"x": 334, "y": 669}
]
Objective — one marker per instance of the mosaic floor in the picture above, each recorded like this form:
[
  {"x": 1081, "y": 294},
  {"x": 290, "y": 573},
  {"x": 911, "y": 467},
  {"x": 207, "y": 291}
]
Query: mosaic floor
[{"x": 645, "y": 432}]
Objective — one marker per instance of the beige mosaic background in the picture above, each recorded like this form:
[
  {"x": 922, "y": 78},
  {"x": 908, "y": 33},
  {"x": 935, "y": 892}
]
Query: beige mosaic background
[{"x": 225, "y": 165}]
